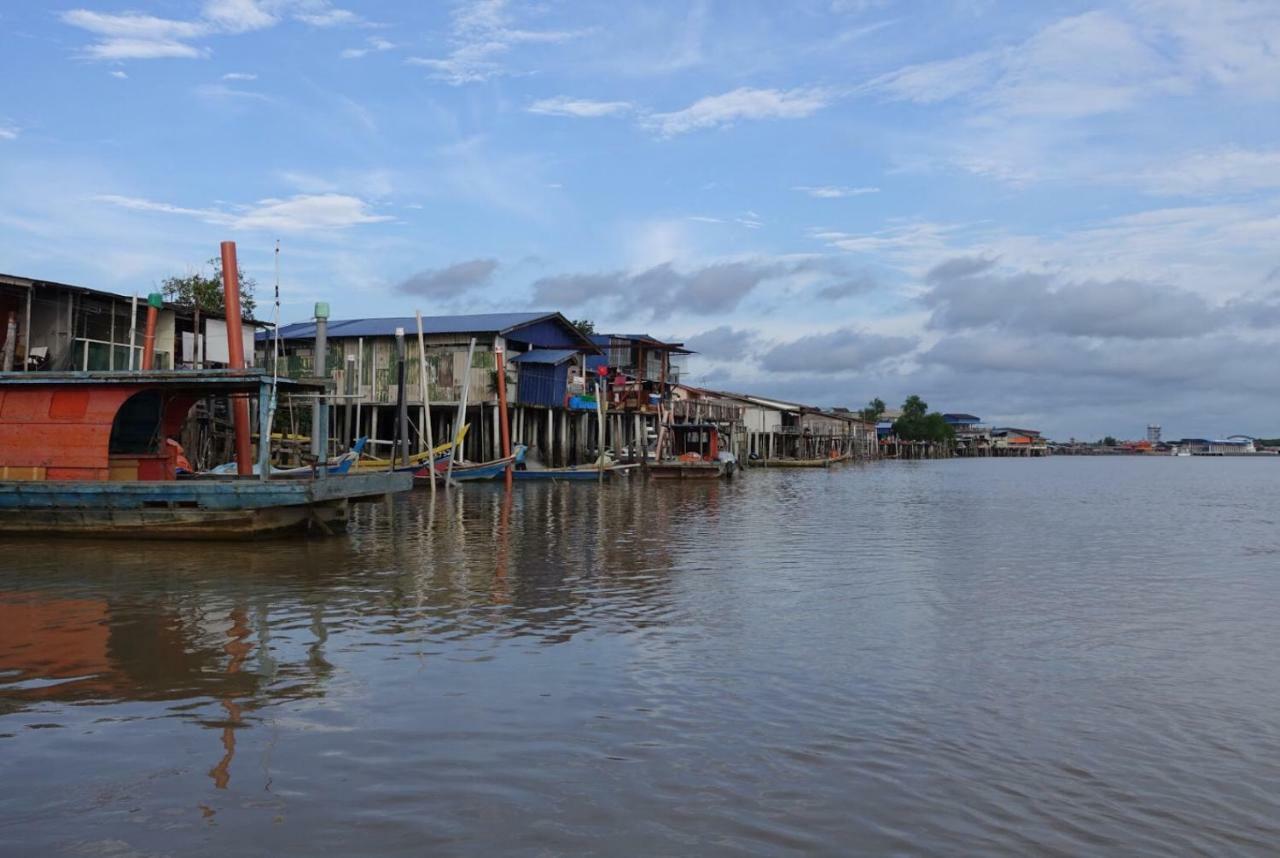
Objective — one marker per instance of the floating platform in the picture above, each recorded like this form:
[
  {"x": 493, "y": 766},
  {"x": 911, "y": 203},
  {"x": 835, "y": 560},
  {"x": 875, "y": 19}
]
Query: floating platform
[{"x": 196, "y": 508}]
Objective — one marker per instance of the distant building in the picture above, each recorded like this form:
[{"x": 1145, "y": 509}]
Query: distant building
[
  {"x": 1153, "y": 433},
  {"x": 972, "y": 438},
  {"x": 1009, "y": 441}
]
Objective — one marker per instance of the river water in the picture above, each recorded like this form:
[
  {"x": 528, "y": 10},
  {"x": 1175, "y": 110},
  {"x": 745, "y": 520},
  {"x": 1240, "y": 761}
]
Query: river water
[{"x": 1059, "y": 657}]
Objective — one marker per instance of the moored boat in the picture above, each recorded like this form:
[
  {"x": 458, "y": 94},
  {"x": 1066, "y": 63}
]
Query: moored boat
[
  {"x": 696, "y": 455},
  {"x": 88, "y": 454},
  {"x": 583, "y": 473},
  {"x": 466, "y": 472}
]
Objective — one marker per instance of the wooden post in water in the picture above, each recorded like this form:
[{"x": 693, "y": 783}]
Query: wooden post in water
[
  {"x": 426, "y": 402},
  {"x": 348, "y": 389},
  {"x": 462, "y": 413},
  {"x": 600, "y": 429},
  {"x": 504, "y": 430},
  {"x": 402, "y": 402}
]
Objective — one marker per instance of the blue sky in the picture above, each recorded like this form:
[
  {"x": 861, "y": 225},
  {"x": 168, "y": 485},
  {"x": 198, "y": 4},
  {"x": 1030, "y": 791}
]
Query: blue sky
[{"x": 1059, "y": 214}]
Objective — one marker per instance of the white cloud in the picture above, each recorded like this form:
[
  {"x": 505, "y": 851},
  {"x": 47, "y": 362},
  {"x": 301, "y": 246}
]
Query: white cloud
[
  {"x": 222, "y": 92},
  {"x": 8, "y": 132},
  {"x": 741, "y": 103},
  {"x": 119, "y": 74},
  {"x": 563, "y": 105},
  {"x": 482, "y": 31},
  {"x": 1084, "y": 65},
  {"x": 928, "y": 83},
  {"x": 834, "y": 192},
  {"x": 133, "y": 35},
  {"x": 298, "y": 213},
  {"x": 1234, "y": 44},
  {"x": 309, "y": 211},
  {"x": 238, "y": 16},
  {"x": 1229, "y": 170},
  {"x": 239, "y": 76},
  {"x": 374, "y": 44}
]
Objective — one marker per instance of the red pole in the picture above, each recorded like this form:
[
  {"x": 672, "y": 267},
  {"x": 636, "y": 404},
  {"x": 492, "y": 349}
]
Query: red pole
[
  {"x": 154, "y": 301},
  {"x": 500, "y": 359},
  {"x": 235, "y": 350}
]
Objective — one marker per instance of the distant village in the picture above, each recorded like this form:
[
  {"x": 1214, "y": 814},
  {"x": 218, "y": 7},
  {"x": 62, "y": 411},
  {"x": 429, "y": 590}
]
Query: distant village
[{"x": 554, "y": 368}]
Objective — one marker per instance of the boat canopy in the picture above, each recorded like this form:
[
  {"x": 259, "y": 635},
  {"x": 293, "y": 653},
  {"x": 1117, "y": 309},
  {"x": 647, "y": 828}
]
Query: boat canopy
[{"x": 110, "y": 425}]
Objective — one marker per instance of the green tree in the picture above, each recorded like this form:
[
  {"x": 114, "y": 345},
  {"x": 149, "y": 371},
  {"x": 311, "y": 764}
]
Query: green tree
[
  {"x": 586, "y": 327},
  {"x": 915, "y": 407},
  {"x": 1109, "y": 441},
  {"x": 202, "y": 291},
  {"x": 873, "y": 411},
  {"x": 917, "y": 423}
]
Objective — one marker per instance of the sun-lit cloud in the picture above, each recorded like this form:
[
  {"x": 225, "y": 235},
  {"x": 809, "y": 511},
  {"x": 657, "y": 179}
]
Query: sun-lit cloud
[
  {"x": 834, "y": 192},
  {"x": 737, "y": 105},
  {"x": 302, "y": 212},
  {"x": 372, "y": 45},
  {"x": 138, "y": 36},
  {"x": 482, "y": 32},
  {"x": 563, "y": 105}
]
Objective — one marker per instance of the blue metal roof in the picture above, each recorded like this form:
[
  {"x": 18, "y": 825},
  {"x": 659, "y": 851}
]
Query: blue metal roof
[
  {"x": 960, "y": 418},
  {"x": 549, "y": 356}
]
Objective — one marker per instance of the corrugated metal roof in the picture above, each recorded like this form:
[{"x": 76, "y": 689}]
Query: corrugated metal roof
[
  {"x": 477, "y": 323},
  {"x": 551, "y": 356},
  {"x": 646, "y": 339}
]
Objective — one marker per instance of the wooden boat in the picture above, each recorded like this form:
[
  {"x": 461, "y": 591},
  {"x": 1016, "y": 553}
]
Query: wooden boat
[
  {"x": 675, "y": 470},
  {"x": 467, "y": 472},
  {"x": 439, "y": 453},
  {"x": 801, "y": 463},
  {"x": 85, "y": 454},
  {"x": 697, "y": 455},
  {"x": 582, "y": 473},
  {"x": 336, "y": 466}
]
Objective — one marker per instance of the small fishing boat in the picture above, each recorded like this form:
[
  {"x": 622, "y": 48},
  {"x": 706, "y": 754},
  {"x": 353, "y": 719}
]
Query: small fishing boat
[
  {"x": 583, "y": 473},
  {"x": 696, "y": 455},
  {"x": 468, "y": 472},
  {"x": 87, "y": 454},
  {"x": 439, "y": 453},
  {"x": 336, "y": 466},
  {"x": 801, "y": 463}
]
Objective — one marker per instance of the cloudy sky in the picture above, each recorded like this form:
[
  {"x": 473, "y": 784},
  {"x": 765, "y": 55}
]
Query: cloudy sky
[{"x": 1056, "y": 214}]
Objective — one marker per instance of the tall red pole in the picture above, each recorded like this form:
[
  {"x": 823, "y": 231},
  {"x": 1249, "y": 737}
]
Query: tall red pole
[
  {"x": 501, "y": 360},
  {"x": 154, "y": 302},
  {"x": 235, "y": 350}
]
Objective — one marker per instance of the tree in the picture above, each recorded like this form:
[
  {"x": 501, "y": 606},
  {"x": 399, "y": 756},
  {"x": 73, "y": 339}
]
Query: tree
[
  {"x": 1108, "y": 441},
  {"x": 586, "y": 327},
  {"x": 202, "y": 292},
  {"x": 873, "y": 411},
  {"x": 915, "y": 407},
  {"x": 918, "y": 424}
]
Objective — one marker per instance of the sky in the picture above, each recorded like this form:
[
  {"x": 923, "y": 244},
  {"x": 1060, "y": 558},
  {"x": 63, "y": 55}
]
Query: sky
[{"x": 1057, "y": 215}]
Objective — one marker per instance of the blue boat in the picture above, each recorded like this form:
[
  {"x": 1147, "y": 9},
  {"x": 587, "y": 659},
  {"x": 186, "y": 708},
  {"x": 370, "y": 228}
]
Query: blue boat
[
  {"x": 464, "y": 472},
  {"x": 86, "y": 454},
  {"x": 580, "y": 473}
]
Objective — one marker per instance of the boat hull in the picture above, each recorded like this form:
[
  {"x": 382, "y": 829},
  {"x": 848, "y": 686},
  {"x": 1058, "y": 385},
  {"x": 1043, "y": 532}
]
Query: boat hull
[
  {"x": 691, "y": 470},
  {"x": 799, "y": 463},
  {"x": 583, "y": 474},
  {"x": 199, "y": 508}
]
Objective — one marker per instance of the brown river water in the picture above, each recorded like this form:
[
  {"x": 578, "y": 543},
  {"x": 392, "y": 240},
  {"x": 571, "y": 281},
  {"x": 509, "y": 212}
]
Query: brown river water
[{"x": 995, "y": 657}]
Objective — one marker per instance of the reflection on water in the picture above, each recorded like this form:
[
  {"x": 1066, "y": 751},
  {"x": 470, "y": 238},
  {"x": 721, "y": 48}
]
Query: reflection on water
[{"x": 1056, "y": 656}]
